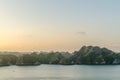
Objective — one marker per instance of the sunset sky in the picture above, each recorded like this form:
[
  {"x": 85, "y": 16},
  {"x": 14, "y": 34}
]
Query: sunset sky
[{"x": 59, "y": 25}]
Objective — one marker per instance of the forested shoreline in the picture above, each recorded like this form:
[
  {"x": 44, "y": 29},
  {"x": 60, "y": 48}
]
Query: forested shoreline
[{"x": 87, "y": 55}]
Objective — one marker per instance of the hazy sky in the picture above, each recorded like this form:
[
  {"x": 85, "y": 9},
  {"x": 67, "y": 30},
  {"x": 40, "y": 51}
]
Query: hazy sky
[{"x": 59, "y": 25}]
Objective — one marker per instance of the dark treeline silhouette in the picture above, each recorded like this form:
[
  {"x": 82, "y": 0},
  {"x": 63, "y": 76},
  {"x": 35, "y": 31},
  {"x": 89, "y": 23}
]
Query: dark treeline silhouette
[{"x": 88, "y": 55}]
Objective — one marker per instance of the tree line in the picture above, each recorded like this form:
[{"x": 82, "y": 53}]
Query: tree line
[{"x": 87, "y": 55}]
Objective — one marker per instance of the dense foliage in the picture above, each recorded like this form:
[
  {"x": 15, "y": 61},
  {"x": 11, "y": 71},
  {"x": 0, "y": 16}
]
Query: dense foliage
[{"x": 90, "y": 55}]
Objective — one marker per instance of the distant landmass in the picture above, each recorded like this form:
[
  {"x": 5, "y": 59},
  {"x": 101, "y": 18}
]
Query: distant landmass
[{"x": 87, "y": 55}]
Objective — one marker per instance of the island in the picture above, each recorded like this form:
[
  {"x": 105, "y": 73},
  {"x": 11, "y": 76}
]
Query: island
[{"x": 87, "y": 55}]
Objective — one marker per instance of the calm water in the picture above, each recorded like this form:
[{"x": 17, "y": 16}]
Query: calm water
[{"x": 60, "y": 72}]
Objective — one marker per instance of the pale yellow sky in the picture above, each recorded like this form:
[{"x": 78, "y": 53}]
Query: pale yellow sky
[{"x": 58, "y": 25}]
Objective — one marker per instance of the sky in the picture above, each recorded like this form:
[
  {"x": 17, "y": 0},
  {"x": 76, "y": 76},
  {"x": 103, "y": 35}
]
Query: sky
[{"x": 59, "y": 25}]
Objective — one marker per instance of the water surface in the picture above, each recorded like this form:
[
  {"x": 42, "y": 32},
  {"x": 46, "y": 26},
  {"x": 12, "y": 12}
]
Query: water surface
[{"x": 61, "y": 72}]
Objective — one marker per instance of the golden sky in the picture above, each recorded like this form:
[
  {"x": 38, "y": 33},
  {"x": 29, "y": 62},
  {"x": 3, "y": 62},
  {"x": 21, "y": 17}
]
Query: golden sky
[{"x": 44, "y": 25}]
